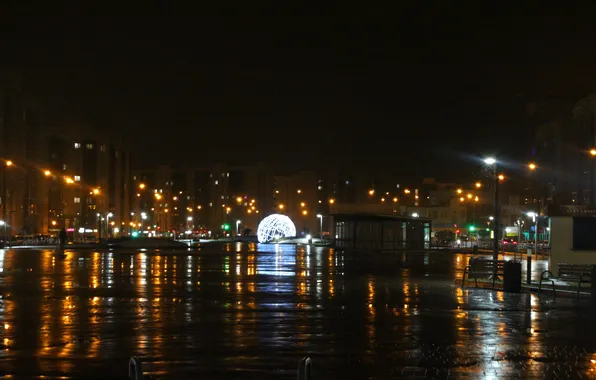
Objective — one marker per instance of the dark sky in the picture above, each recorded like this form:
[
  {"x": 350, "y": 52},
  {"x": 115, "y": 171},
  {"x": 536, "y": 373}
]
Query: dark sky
[{"x": 415, "y": 90}]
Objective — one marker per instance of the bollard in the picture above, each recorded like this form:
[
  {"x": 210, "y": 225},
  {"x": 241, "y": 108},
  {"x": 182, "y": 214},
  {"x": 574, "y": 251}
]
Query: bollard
[
  {"x": 529, "y": 266},
  {"x": 135, "y": 368},
  {"x": 305, "y": 369}
]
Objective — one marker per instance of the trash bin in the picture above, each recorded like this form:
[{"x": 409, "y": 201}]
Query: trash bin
[{"x": 512, "y": 277}]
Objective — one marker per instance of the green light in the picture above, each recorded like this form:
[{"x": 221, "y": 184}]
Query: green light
[
  {"x": 135, "y": 234},
  {"x": 488, "y": 229},
  {"x": 226, "y": 227},
  {"x": 472, "y": 228}
]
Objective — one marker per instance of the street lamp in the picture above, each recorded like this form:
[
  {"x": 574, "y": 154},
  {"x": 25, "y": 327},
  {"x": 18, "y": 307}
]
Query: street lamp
[
  {"x": 321, "y": 224},
  {"x": 534, "y": 216},
  {"x": 492, "y": 161}
]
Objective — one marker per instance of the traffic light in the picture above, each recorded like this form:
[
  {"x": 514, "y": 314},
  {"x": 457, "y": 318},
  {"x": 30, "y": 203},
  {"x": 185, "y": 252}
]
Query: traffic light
[
  {"x": 226, "y": 227},
  {"x": 472, "y": 228}
]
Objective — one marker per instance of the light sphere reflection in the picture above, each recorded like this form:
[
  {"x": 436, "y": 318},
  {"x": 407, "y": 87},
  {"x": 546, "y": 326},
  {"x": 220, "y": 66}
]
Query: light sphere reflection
[{"x": 275, "y": 226}]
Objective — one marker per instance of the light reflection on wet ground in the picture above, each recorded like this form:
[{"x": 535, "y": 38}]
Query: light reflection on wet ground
[{"x": 246, "y": 311}]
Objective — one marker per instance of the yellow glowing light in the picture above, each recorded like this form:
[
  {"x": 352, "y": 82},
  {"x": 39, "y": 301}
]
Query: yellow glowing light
[
  {"x": 47, "y": 173},
  {"x": 157, "y": 196},
  {"x": 478, "y": 185},
  {"x": 9, "y": 163},
  {"x": 532, "y": 166},
  {"x": 476, "y": 199},
  {"x": 371, "y": 192},
  {"x": 175, "y": 198},
  {"x": 462, "y": 199},
  {"x": 407, "y": 191},
  {"x": 304, "y": 212},
  {"x": 592, "y": 152},
  {"x": 382, "y": 199},
  {"x": 395, "y": 199},
  {"x": 302, "y": 204},
  {"x": 331, "y": 201},
  {"x": 469, "y": 196},
  {"x": 54, "y": 222},
  {"x": 199, "y": 207},
  {"x": 239, "y": 199},
  {"x": 299, "y": 191},
  {"x": 141, "y": 186},
  {"x": 501, "y": 177},
  {"x": 281, "y": 207},
  {"x": 459, "y": 191}
]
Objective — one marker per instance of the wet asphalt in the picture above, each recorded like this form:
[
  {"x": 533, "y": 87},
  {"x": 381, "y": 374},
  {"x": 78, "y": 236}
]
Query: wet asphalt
[{"x": 249, "y": 311}]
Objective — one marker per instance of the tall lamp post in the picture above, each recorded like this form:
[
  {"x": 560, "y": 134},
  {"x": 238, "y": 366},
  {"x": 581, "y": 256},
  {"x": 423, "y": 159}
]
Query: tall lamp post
[
  {"x": 491, "y": 161},
  {"x": 320, "y": 216}
]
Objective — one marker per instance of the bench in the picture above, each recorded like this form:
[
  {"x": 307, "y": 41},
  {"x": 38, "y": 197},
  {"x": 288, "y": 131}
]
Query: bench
[
  {"x": 483, "y": 268},
  {"x": 576, "y": 273}
]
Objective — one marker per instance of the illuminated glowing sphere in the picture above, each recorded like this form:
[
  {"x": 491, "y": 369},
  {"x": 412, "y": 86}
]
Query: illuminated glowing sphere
[{"x": 274, "y": 227}]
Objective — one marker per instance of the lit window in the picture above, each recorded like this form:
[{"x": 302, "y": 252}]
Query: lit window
[
  {"x": 210, "y": 204},
  {"x": 77, "y": 200},
  {"x": 102, "y": 148},
  {"x": 228, "y": 174},
  {"x": 77, "y": 178},
  {"x": 222, "y": 197},
  {"x": 89, "y": 146},
  {"x": 77, "y": 145},
  {"x": 216, "y": 182},
  {"x": 64, "y": 167}
]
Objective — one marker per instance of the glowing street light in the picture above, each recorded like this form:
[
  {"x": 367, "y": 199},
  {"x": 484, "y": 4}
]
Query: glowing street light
[
  {"x": 459, "y": 191},
  {"x": 371, "y": 192},
  {"x": 304, "y": 212},
  {"x": 478, "y": 185},
  {"x": 9, "y": 163},
  {"x": 47, "y": 173},
  {"x": 281, "y": 206},
  {"x": 592, "y": 152},
  {"x": 492, "y": 161},
  {"x": 532, "y": 166},
  {"x": 331, "y": 201},
  {"x": 141, "y": 186}
]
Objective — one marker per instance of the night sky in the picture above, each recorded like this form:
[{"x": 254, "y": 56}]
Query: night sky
[{"x": 409, "y": 90}]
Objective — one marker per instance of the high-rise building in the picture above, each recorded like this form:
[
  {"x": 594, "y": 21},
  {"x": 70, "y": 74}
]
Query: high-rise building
[{"x": 58, "y": 174}]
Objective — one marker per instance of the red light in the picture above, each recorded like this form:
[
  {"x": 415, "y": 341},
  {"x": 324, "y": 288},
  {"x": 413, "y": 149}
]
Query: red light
[
  {"x": 514, "y": 243},
  {"x": 505, "y": 242},
  {"x": 457, "y": 231}
]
